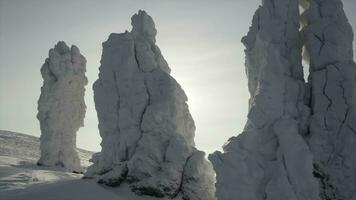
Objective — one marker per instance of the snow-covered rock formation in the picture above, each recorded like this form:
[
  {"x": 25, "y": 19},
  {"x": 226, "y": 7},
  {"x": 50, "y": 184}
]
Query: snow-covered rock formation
[
  {"x": 270, "y": 159},
  {"x": 328, "y": 39},
  {"x": 299, "y": 140},
  {"x": 146, "y": 128},
  {"x": 61, "y": 106}
]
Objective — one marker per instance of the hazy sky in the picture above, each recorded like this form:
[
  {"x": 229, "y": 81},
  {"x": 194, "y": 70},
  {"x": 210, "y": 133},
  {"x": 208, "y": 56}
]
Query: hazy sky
[{"x": 200, "y": 39}]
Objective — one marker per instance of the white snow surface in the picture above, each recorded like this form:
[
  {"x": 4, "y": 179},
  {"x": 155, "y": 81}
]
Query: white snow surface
[
  {"x": 61, "y": 106},
  {"x": 18, "y": 163},
  {"x": 144, "y": 121},
  {"x": 299, "y": 139},
  {"x": 22, "y": 179}
]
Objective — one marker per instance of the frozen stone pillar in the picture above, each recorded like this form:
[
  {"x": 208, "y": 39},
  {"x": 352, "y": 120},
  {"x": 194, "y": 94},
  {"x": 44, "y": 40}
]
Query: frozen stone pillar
[
  {"x": 61, "y": 107},
  {"x": 332, "y": 139},
  {"x": 144, "y": 121},
  {"x": 270, "y": 158}
]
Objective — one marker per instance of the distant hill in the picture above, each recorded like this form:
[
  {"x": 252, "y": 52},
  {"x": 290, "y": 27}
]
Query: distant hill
[{"x": 27, "y": 147}]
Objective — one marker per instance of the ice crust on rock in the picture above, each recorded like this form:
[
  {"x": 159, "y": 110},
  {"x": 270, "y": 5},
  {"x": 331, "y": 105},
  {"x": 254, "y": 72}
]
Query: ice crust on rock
[
  {"x": 332, "y": 139},
  {"x": 299, "y": 139},
  {"x": 146, "y": 128},
  {"x": 61, "y": 106},
  {"x": 270, "y": 159}
]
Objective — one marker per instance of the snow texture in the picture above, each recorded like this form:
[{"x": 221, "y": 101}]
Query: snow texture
[
  {"x": 146, "y": 128},
  {"x": 61, "y": 106},
  {"x": 299, "y": 139}
]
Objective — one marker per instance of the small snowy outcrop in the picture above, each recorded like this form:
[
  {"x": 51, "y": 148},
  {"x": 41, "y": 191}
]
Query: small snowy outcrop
[
  {"x": 146, "y": 128},
  {"x": 61, "y": 106},
  {"x": 299, "y": 140},
  {"x": 328, "y": 39}
]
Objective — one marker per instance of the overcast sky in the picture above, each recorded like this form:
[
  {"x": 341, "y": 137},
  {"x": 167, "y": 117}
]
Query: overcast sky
[{"x": 200, "y": 39}]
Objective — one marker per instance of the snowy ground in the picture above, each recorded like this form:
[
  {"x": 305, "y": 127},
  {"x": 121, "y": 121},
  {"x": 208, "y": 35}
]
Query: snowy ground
[
  {"x": 18, "y": 156},
  {"x": 22, "y": 179}
]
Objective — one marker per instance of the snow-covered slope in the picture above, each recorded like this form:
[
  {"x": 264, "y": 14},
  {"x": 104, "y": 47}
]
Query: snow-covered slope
[
  {"x": 22, "y": 179},
  {"x": 27, "y": 148},
  {"x": 19, "y": 154}
]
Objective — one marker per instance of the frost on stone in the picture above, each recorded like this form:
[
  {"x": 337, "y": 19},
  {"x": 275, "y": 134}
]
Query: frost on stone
[
  {"x": 146, "y": 128},
  {"x": 61, "y": 106},
  {"x": 197, "y": 178},
  {"x": 270, "y": 158},
  {"x": 328, "y": 39},
  {"x": 299, "y": 139}
]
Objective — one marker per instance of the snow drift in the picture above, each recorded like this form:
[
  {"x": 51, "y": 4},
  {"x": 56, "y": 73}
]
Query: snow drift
[
  {"x": 299, "y": 137},
  {"x": 61, "y": 106},
  {"x": 146, "y": 128}
]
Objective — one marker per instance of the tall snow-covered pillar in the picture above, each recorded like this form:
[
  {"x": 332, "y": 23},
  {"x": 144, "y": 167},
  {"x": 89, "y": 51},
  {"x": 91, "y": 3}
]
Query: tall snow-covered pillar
[
  {"x": 146, "y": 128},
  {"x": 332, "y": 139},
  {"x": 61, "y": 106},
  {"x": 270, "y": 158}
]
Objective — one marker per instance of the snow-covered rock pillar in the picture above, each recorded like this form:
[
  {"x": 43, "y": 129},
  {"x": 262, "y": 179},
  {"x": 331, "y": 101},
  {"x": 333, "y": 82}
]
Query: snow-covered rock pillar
[
  {"x": 146, "y": 128},
  {"x": 328, "y": 39},
  {"x": 61, "y": 106},
  {"x": 270, "y": 159}
]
